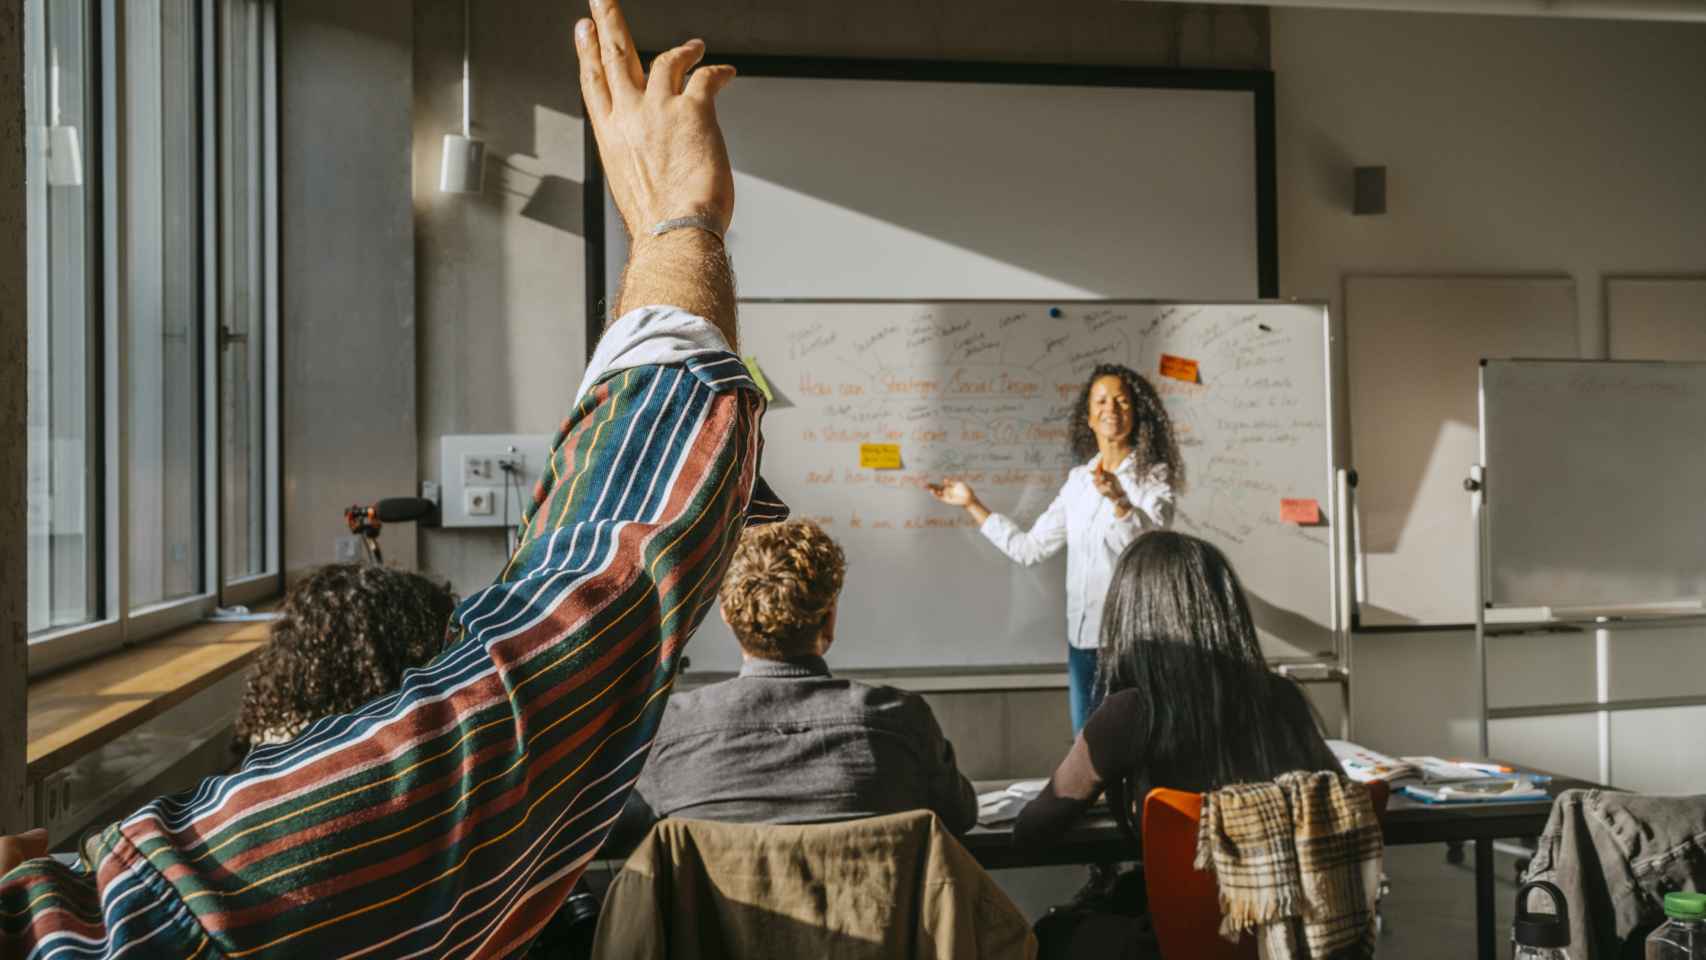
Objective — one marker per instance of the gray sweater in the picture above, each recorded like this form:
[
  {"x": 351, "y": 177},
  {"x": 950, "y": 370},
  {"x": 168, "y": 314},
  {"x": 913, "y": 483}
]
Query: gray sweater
[{"x": 785, "y": 742}]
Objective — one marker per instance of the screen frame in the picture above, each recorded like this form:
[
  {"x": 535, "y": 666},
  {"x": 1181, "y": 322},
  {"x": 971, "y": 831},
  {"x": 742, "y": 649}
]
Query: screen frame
[{"x": 1258, "y": 83}]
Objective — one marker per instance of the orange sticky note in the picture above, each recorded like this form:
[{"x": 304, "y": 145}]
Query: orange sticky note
[
  {"x": 879, "y": 456},
  {"x": 1178, "y": 368},
  {"x": 1300, "y": 511}
]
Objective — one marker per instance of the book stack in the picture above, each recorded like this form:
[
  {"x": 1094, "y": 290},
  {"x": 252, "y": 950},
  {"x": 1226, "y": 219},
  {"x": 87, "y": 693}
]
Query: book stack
[{"x": 1434, "y": 780}]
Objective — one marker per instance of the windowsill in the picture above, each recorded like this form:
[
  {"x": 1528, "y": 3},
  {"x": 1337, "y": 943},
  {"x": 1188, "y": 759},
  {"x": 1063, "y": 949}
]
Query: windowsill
[{"x": 75, "y": 712}]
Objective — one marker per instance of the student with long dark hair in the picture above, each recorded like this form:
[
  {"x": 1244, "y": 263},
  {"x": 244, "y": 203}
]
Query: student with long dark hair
[
  {"x": 1189, "y": 701},
  {"x": 1129, "y": 470}
]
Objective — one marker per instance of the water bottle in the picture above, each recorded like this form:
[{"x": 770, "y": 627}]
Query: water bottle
[
  {"x": 1683, "y": 936},
  {"x": 1541, "y": 936}
]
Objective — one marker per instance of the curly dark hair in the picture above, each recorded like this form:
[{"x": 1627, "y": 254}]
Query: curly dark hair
[
  {"x": 1151, "y": 429},
  {"x": 346, "y": 635}
]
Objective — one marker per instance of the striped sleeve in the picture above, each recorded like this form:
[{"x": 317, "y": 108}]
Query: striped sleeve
[{"x": 450, "y": 819}]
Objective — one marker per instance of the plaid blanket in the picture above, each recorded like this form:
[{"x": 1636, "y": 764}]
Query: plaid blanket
[{"x": 1298, "y": 861}]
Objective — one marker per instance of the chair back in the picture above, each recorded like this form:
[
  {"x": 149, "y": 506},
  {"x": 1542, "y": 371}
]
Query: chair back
[{"x": 1184, "y": 902}]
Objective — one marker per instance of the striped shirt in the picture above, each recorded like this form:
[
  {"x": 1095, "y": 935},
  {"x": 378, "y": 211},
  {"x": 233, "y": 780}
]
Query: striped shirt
[{"x": 451, "y": 818}]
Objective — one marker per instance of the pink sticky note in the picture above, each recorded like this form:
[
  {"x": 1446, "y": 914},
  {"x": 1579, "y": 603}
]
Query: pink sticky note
[{"x": 1300, "y": 511}]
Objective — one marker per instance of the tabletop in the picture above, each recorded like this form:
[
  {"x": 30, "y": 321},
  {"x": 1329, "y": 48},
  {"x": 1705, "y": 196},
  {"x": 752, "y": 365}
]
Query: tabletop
[{"x": 1098, "y": 837}]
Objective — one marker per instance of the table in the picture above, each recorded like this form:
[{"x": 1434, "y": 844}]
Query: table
[{"x": 1099, "y": 839}]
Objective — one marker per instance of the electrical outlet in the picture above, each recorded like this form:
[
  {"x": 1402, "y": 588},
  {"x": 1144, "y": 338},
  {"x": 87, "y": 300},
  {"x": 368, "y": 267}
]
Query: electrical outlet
[
  {"x": 478, "y": 468},
  {"x": 347, "y": 549},
  {"x": 478, "y": 502},
  {"x": 495, "y": 463}
]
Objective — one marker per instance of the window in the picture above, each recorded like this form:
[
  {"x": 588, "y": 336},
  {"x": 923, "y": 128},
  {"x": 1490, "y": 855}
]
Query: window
[
  {"x": 152, "y": 393},
  {"x": 248, "y": 539},
  {"x": 64, "y": 311},
  {"x": 159, "y": 304}
]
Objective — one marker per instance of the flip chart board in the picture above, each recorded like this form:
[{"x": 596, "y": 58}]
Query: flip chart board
[
  {"x": 1593, "y": 482},
  {"x": 981, "y": 390}
]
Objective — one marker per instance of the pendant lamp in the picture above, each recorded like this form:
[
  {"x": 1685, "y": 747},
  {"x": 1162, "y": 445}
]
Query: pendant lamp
[{"x": 463, "y": 169}]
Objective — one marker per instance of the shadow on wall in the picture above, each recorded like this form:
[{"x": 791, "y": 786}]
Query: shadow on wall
[{"x": 556, "y": 202}]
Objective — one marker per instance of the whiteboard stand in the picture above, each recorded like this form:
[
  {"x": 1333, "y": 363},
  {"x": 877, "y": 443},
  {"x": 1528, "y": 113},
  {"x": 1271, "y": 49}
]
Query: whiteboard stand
[
  {"x": 1344, "y": 489},
  {"x": 1525, "y": 398},
  {"x": 1476, "y": 484}
]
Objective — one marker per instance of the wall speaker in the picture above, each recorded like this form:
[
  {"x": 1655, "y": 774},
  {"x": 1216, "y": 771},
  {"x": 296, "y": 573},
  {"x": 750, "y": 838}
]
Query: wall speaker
[{"x": 1368, "y": 195}]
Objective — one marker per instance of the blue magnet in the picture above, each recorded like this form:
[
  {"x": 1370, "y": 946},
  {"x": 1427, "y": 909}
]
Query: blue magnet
[{"x": 1054, "y": 312}]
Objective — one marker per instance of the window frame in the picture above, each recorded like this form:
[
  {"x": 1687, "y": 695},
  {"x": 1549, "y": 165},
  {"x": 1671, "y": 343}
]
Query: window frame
[
  {"x": 249, "y": 588},
  {"x": 115, "y": 624}
]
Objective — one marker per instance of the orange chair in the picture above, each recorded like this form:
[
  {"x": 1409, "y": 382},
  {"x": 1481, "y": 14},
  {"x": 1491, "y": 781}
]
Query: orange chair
[{"x": 1184, "y": 902}]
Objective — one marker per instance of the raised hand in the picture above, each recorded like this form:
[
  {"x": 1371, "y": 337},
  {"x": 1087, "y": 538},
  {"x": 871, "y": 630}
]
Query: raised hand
[{"x": 658, "y": 136}]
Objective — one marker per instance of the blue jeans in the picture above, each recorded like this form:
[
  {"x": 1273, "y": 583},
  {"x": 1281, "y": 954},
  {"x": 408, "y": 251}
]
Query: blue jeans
[{"x": 1081, "y": 685}]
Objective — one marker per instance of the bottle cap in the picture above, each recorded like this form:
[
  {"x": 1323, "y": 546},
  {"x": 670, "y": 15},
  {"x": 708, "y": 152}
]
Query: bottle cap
[
  {"x": 1541, "y": 929},
  {"x": 1685, "y": 906}
]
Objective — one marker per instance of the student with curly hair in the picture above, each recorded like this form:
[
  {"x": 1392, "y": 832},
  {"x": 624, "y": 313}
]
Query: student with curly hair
[
  {"x": 1130, "y": 471},
  {"x": 785, "y": 741},
  {"x": 346, "y": 635}
]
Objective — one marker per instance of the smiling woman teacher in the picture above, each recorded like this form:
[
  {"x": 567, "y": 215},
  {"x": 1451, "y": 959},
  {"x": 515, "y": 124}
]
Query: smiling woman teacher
[{"x": 1126, "y": 487}]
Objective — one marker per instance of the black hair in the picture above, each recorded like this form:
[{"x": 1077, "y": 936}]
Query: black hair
[
  {"x": 1151, "y": 437},
  {"x": 345, "y": 635},
  {"x": 1177, "y": 629}
]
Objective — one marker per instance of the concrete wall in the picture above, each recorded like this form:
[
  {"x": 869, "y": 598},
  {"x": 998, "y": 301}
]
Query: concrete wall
[
  {"x": 347, "y": 274},
  {"x": 1512, "y": 145},
  {"x": 14, "y": 314}
]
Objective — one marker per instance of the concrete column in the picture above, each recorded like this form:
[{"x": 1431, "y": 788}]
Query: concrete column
[
  {"x": 346, "y": 270},
  {"x": 13, "y": 462}
]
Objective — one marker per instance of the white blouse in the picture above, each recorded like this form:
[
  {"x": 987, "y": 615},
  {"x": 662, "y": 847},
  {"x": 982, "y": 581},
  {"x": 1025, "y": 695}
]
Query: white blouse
[{"x": 1083, "y": 521}]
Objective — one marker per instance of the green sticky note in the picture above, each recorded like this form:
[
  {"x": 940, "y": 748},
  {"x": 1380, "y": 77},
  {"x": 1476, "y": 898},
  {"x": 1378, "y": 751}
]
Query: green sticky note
[{"x": 758, "y": 377}]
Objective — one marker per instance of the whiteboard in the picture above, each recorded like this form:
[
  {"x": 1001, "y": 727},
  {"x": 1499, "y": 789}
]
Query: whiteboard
[
  {"x": 981, "y": 389},
  {"x": 865, "y": 188},
  {"x": 1594, "y": 478},
  {"x": 1414, "y": 346}
]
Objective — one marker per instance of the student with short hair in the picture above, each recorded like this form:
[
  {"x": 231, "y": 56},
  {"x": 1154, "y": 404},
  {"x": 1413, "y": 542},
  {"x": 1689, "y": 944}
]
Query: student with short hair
[{"x": 786, "y": 741}]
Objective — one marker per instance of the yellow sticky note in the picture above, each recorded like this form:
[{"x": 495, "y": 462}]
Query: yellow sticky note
[
  {"x": 758, "y": 377},
  {"x": 879, "y": 456}
]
